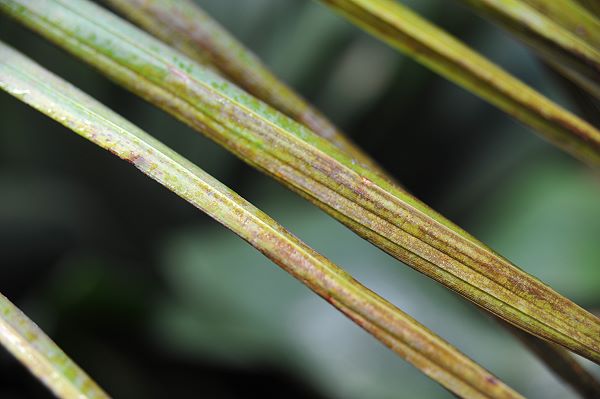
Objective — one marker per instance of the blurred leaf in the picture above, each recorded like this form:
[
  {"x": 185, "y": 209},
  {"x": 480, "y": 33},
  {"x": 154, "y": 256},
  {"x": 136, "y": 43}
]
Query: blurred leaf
[
  {"x": 48, "y": 94},
  {"x": 572, "y": 16},
  {"x": 377, "y": 210},
  {"x": 44, "y": 359},
  {"x": 436, "y": 49},
  {"x": 561, "y": 31}
]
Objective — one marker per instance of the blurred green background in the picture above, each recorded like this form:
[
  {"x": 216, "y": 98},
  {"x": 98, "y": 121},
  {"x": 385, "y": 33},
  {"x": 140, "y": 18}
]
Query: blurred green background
[{"x": 153, "y": 298}]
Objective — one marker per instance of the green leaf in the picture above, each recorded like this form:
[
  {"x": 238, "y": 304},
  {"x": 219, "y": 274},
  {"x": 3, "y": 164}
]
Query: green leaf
[
  {"x": 572, "y": 16},
  {"x": 186, "y": 27},
  {"x": 436, "y": 49},
  {"x": 37, "y": 87},
  {"x": 44, "y": 359},
  {"x": 562, "y": 32},
  {"x": 368, "y": 204}
]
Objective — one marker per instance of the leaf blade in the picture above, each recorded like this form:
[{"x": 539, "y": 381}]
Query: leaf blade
[
  {"x": 44, "y": 359},
  {"x": 70, "y": 107},
  {"x": 185, "y": 26},
  {"x": 561, "y": 32},
  {"x": 441, "y": 52},
  {"x": 373, "y": 207}
]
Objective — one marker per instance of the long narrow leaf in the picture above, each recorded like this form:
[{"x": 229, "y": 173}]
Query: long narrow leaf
[
  {"x": 186, "y": 27},
  {"x": 564, "y": 49},
  {"x": 572, "y": 16},
  {"x": 377, "y": 210},
  {"x": 443, "y": 53},
  {"x": 183, "y": 24},
  {"x": 32, "y": 347},
  {"x": 67, "y": 105}
]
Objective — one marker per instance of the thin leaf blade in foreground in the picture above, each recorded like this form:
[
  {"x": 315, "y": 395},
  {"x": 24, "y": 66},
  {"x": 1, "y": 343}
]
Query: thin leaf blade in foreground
[
  {"x": 44, "y": 359},
  {"x": 67, "y": 105},
  {"x": 370, "y": 205},
  {"x": 436, "y": 49},
  {"x": 182, "y": 24}
]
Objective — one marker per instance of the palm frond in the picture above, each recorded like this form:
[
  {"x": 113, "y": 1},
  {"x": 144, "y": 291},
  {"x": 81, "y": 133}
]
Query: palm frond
[
  {"x": 80, "y": 113},
  {"x": 377, "y": 210},
  {"x": 184, "y": 25}
]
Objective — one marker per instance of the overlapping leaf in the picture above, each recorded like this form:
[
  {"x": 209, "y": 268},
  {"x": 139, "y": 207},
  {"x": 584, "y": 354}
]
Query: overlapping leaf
[
  {"x": 32, "y": 347},
  {"x": 184, "y": 25},
  {"x": 368, "y": 204},
  {"x": 562, "y": 32},
  {"x": 572, "y": 16},
  {"x": 443, "y": 53},
  {"x": 64, "y": 103}
]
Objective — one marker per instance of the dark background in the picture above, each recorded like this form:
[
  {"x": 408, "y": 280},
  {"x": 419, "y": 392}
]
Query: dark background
[{"x": 154, "y": 299}]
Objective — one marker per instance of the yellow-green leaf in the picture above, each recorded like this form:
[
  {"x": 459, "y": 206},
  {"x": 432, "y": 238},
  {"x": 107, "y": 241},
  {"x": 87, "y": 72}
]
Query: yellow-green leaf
[
  {"x": 370, "y": 205},
  {"x": 563, "y": 33},
  {"x": 572, "y": 16},
  {"x": 185, "y": 26},
  {"x": 77, "y": 111},
  {"x": 438, "y": 50},
  {"x": 32, "y": 347}
]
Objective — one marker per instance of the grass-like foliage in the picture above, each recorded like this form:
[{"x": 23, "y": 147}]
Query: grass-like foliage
[{"x": 199, "y": 74}]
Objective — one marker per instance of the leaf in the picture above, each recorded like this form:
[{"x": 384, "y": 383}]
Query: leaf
[
  {"x": 572, "y": 16},
  {"x": 184, "y": 25},
  {"x": 563, "y": 33},
  {"x": 187, "y": 28},
  {"x": 371, "y": 206},
  {"x": 436, "y": 49},
  {"x": 80, "y": 113},
  {"x": 44, "y": 359}
]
